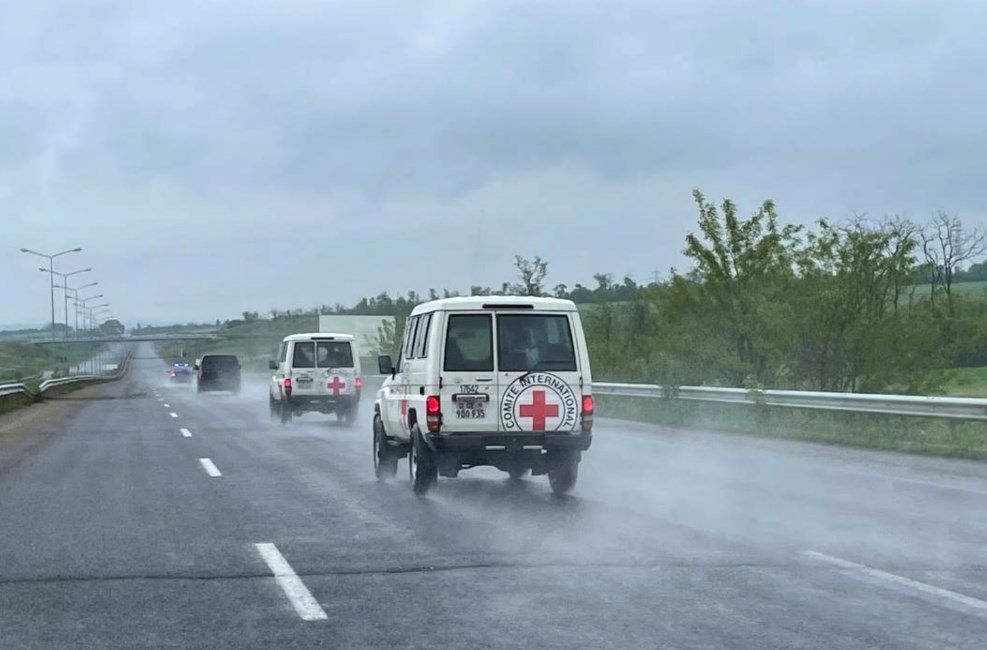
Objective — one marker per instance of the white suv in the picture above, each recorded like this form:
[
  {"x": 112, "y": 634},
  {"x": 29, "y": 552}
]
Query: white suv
[
  {"x": 316, "y": 372},
  {"x": 486, "y": 380}
]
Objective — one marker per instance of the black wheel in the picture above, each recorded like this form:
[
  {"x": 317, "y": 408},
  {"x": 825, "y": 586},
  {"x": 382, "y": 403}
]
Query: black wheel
[
  {"x": 385, "y": 460},
  {"x": 347, "y": 416},
  {"x": 422, "y": 469},
  {"x": 285, "y": 412},
  {"x": 563, "y": 476},
  {"x": 273, "y": 404},
  {"x": 517, "y": 473}
]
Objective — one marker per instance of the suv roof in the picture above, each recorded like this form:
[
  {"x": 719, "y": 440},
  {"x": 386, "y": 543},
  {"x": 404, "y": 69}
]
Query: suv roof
[
  {"x": 310, "y": 336},
  {"x": 473, "y": 303}
]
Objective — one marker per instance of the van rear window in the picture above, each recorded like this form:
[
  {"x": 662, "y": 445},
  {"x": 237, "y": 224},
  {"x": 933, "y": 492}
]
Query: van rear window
[
  {"x": 334, "y": 354},
  {"x": 534, "y": 342},
  {"x": 469, "y": 343},
  {"x": 304, "y": 355},
  {"x": 219, "y": 362}
]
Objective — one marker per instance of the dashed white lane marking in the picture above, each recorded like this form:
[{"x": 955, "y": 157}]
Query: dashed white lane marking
[
  {"x": 301, "y": 599},
  {"x": 173, "y": 414},
  {"x": 186, "y": 433},
  {"x": 167, "y": 406},
  {"x": 210, "y": 467},
  {"x": 939, "y": 592}
]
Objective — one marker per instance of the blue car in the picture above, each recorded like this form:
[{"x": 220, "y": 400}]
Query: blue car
[{"x": 181, "y": 372}]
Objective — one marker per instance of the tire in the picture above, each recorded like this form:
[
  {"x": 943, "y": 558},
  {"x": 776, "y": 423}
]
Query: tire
[
  {"x": 422, "y": 468},
  {"x": 385, "y": 460},
  {"x": 285, "y": 410},
  {"x": 347, "y": 416},
  {"x": 517, "y": 473},
  {"x": 273, "y": 404},
  {"x": 563, "y": 477}
]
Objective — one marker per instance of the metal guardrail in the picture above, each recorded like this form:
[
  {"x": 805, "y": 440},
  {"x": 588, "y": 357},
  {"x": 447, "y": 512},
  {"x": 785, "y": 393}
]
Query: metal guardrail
[
  {"x": 20, "y": 388},
  {"x": 14, "y": 389},
  {"x": 959, "y": 408}
]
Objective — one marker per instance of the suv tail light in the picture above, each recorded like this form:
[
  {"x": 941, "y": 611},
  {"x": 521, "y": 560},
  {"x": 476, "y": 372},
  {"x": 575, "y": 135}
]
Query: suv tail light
[
  {"x": 433, "y": 413},
  {"x": 287, "y": 386},
  {"x": 587, "y": 413},
  {"x": 358, "y": 383}
]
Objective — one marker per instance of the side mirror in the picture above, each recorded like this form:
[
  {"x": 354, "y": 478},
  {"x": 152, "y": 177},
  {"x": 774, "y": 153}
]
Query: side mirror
[
  {"x": 195, "y": 367},
  {"x": 384, "y": 365},
  {"x": 272, "y": 364}
]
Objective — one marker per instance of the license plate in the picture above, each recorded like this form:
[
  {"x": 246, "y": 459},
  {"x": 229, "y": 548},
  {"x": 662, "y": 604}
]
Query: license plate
[
  {"x": 470, "y": 413},
  {"x": 304, "y": 381},
  {"x": 471, "y": 406}
]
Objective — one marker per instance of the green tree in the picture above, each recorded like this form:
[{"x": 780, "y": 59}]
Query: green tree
[
  {"x": 531, "y": 274},
  {"x": 744, "y": 268}
]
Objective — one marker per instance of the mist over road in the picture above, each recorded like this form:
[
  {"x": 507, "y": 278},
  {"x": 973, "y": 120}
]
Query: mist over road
[{"x": 143, "y": 514}]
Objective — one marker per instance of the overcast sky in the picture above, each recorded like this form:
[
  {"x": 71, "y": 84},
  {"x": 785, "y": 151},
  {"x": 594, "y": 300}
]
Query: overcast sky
[{"x": 213, "y": 157}]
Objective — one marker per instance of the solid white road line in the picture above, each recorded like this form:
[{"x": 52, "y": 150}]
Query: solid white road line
[
  {"x": 210, "y": 467},
  {"x": 939, "y": 592},
  {"x": 301, "y": 599},
  {"x": 173, "y": 414},
  {"x": 186, "y": 433},
  {"x": 915, "y": 481}
]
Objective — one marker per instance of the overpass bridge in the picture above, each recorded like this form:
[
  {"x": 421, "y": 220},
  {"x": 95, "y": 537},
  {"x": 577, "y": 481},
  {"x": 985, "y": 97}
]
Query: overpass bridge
[{"x": 127, "y": 338}]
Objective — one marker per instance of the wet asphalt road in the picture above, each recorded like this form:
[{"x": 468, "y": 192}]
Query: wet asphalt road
[{"x": 113, "y": 534}]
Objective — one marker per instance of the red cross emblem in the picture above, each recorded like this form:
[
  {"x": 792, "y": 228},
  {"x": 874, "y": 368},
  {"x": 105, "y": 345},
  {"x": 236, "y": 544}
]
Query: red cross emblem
[
  {"x": 336, "y": 385},
  {"x": 538, "y": 410}
]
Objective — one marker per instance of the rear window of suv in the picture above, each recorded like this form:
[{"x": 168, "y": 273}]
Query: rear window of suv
[
  {"x": 534, "y": 342},
  {"x": 469, "y": 343},
  {"x": 219, "y": 362},
  {"x": 334, "y": 354},
  {"x": 304, "y": 355}
]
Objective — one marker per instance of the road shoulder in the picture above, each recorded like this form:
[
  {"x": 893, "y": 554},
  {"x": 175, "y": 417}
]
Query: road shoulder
[{"x": 25, "y": 429}]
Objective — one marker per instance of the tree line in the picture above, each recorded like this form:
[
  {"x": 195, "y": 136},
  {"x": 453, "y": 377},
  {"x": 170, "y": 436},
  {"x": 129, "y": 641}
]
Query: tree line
[
  {"x": 858, "y": 305},
  {"x": 838, "y": 306}
]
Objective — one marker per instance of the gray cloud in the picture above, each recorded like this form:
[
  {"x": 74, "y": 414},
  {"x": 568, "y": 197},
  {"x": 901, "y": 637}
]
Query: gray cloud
[{"x": 221, "y": 156}]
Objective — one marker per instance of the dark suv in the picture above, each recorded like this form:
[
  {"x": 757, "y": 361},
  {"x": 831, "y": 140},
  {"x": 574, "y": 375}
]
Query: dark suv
[{"x": 218, "y": 372}]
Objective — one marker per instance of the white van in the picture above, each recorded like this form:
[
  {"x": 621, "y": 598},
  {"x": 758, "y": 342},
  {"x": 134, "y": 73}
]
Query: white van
[
  {"x": 316, "y": 372},
  {"x": 486, "y": 380}
]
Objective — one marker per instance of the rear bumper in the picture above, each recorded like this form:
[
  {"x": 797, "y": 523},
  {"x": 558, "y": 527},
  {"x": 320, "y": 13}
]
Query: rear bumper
[
  {"x": 322, "y": 402},
  {"x": 510, "y": 443},
  {"x": 218, "y": 384}
]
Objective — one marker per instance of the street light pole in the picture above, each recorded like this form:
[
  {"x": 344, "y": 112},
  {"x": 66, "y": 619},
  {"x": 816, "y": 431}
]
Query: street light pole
[
  {"x": 65, "y": 294},
  {"x": 94, "y": 310},
  {"x": 85, "y": 307},
  {"x": 51, "y": 276},
  {"x": 75, "y": 300}
]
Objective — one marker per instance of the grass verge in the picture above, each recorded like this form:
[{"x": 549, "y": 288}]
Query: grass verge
[
  {"x": 930, "y": 436},
  {"x": 12, "y": 402}
]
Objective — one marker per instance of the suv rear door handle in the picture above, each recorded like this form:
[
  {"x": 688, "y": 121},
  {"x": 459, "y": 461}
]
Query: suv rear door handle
[{"x": 484, "y": 379}]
